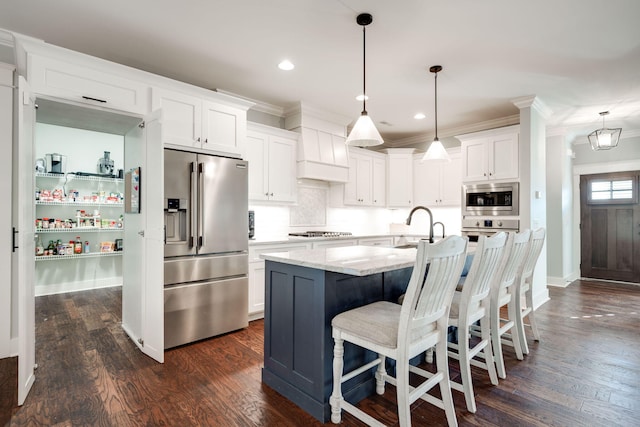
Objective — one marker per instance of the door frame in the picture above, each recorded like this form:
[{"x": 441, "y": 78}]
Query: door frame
[{"x": 591, "y": 169}]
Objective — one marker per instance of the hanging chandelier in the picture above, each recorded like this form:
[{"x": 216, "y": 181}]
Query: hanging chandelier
[
  {"x": 364, "y": 132},
  {"x": 436, "y": 150},
  {"x": 604, "y": 138}
]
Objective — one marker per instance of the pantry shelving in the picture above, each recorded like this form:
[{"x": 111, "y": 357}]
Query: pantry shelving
[{"x": 77, "y": 206}]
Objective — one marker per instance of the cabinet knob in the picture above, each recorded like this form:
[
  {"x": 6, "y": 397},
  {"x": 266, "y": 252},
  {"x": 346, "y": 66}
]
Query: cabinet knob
[
  {"x": 490, "y": 173},
  {"x": 484, "y": 174},
  {"x": 375, "y": 201},
  {"x": 271, "y": 194},
  {"x": 206, "y": 140},
  {"x": 266, "y": 194},
  {"x": 198, "y": 139}
]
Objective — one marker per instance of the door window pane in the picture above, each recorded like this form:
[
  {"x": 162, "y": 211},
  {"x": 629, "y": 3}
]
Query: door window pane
[{"x": 613, "y": 190}]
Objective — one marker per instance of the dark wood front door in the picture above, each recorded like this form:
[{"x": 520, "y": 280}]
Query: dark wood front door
[{"x": 610, "y": 226}]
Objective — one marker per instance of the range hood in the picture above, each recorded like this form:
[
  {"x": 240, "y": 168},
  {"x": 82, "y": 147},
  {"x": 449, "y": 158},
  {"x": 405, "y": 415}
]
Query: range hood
[{"x": 322, "y": 153}]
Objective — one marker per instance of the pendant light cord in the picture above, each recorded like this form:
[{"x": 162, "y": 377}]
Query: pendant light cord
[
  {"x": 364, "y": 69},
  {"x": 436, "y": 103}
]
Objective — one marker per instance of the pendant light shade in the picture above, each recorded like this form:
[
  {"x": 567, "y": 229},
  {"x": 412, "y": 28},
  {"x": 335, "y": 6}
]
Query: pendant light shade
[
  {"x": 436, "y": 150},
  {"x": 604, "y": 138},
  {"x": 364, "y": 132}
]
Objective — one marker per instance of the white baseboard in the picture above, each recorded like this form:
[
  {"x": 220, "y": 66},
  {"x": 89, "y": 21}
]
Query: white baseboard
[{"x": 60, "y": 288}]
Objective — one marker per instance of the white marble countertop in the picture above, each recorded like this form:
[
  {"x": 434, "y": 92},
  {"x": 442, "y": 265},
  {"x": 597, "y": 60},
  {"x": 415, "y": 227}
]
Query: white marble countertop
[
  {"x": 354, "y": 260},
  {"x": 287, "y": 239}
]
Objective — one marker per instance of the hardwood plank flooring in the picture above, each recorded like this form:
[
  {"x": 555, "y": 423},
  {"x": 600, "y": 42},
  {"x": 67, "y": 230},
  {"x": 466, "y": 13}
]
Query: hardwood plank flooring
[{"x": 584, "y": 372}]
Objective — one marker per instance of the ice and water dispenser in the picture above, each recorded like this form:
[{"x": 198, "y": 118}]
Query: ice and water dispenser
[{"x": 176, "y": 221}]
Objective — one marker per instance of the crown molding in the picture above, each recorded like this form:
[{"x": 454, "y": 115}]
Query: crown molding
[
  {"x": 6, "y": 38},
  {"x": 263, "y": 107},
  {"x": 534, "y": 102},
  {"x": 454, "y": 131}
]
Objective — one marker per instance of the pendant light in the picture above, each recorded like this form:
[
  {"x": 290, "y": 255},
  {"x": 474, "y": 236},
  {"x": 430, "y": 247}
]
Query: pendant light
[
  {"x": 436, "y": 150},
  {"x": 364, "y": 132},
  {"x": 604, "y": 138}
]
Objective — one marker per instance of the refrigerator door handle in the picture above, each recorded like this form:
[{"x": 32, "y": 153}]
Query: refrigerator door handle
[
  {"x": 200, "y": 204},
  {"x": 192, "y": 204}
]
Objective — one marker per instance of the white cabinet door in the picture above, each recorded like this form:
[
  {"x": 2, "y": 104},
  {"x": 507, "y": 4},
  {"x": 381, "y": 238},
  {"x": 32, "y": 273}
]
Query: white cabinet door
[
  {"x": 182, "y": 117},
  {"x": 193, "y": 122},
  {"x": 363, "y": 180},
  {"x": 256, "y": 288},
  {"x": 23, "y": 260},
  {"x": 379, "y": 183},
  {"x": 351, "y": 186},
  {"x": 503, "y": 157},
  {"x": 86, "y": 85},
  {"x": 437, "y": 183},
  {"x": 399, "y": 178},
  {"x": 281, "y": 166},
  {"x": 256, "y": 273},
  {"x": 426, "y": 182},
  {"x": 475, "y": 161},
  {"x": 256, "y": 153},
  {"x": 272, "y": 165},
  {"x": 490, "y": 155},
  {"x": 222, "y": 127}
]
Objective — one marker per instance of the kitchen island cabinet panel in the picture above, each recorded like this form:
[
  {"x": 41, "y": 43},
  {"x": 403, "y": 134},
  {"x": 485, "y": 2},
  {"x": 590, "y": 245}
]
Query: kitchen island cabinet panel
[{"x": 298, "y": 352}]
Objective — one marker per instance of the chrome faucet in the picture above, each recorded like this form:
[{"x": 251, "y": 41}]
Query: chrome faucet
[
  {"x": 436, "y": 223},
  {"x": 430, "y": 220}
]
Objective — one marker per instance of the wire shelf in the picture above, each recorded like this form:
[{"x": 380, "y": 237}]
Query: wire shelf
[{"x": 77, "y": 256}]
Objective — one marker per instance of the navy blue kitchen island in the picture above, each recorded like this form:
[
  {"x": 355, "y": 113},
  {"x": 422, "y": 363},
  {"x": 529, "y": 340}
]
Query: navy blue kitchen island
[{"x": 304, "y": 291}]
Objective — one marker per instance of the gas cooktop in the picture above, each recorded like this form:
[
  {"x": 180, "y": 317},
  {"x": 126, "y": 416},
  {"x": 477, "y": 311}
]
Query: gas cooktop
[{"x": 321, "y": 234}]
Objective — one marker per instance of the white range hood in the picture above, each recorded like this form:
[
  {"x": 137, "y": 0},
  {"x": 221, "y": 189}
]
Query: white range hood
[{"x": 322, "y": 153}]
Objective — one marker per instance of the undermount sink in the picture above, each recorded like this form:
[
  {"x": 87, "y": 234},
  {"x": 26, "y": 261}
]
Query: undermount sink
[{"x": 407, "y": 246}]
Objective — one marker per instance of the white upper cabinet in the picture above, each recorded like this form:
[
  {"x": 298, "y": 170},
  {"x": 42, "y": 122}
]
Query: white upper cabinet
[
  {"x": 438, "y": 183},
  {"x": 490, "y": 155},
  {"x": 399, "y": 177},
  {"x": 87, "y": 84},
  {"x": 195, "y": 122},
  {"x": 379, "y": 182},
  {"x": 272, "y": 164},
  {"x": 367, "y": 178}
]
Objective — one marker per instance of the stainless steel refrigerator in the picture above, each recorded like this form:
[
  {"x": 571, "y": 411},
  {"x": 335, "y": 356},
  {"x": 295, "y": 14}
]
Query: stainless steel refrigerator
[{"x": 206, "y": 259}]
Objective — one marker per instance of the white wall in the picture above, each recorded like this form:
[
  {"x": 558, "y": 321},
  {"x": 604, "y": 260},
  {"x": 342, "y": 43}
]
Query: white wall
[{"x": 559, "y": 211}]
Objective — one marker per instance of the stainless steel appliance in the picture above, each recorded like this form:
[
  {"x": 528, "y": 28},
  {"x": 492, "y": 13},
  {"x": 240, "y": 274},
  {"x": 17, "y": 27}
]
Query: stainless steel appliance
[
  {"x": 56, "y": 163},
  {"x": 206, "y": 247},
  {"x": 491, "y": 199},
  {"x": 105, "y": 164},
  {"x": 476, "y": 227}
]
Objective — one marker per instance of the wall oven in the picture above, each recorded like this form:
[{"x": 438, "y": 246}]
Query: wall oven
[
  {"x": 473, "y": 228},
  {"x": 491, "y": 199}
]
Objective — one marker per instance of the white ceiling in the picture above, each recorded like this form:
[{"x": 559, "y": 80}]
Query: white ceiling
[{"x": 579, "y": 57}]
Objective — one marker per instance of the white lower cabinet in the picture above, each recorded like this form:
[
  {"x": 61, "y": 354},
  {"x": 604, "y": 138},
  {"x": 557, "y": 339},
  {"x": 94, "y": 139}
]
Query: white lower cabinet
[
  {"x": 256, "y": 273},
  {"x": 272, "y": 164}
]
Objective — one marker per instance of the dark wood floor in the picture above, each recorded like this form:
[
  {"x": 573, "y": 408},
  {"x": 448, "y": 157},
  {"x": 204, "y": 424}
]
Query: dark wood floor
[{"x": 585, "y": 372}]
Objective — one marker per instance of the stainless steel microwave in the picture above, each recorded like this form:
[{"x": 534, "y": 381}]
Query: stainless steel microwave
[{"x": 491, "y": 199}]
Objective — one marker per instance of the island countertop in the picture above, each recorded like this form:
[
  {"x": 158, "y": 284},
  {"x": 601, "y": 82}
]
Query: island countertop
[{"x": 353, "y": 260}]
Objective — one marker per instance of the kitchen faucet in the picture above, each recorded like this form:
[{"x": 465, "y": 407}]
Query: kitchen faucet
[
  {"x": 430, "y": 220},
  {"x": 436, "y": 223}
]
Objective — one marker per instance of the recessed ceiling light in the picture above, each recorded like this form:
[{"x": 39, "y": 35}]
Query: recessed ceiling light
[
  {"x": 362, "y": 97},
  {"x": 419, "y": 116},
  {"x": 286, "y": 65}
]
